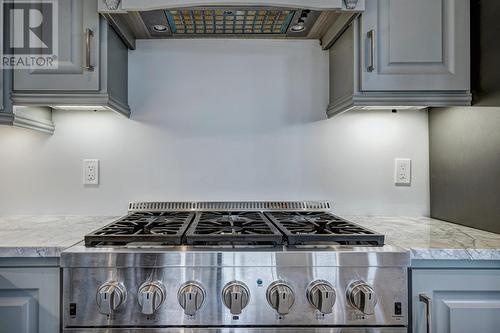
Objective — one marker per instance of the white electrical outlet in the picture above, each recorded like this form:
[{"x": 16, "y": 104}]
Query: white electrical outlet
[
  {"x": 91, "y": 172},
  {"x": 402, "y": 172}
]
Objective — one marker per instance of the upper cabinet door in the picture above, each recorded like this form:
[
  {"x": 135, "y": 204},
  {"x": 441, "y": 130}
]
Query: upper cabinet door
[
  {"x": 1, "y": 88},
  {"x": 1, "y": 70},
  {"x": 78, "y": 42},
  {"x": 409, "y": 45}
]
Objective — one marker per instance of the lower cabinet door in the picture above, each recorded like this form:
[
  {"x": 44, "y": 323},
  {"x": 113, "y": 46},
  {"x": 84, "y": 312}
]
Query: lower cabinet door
[
  {"x": 458, "y": 301},
  {"x": 29, "y": 300}
]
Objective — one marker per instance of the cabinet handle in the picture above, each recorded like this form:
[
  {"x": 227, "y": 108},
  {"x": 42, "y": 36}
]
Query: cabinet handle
[
  {"x": 428, "y": 311},
  {"x": 88, "y": 35},
  {"x": 371, "y": 64}
]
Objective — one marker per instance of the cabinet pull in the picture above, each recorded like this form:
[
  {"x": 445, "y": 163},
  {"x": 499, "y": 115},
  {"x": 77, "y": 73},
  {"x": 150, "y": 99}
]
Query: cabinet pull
[
  {"x": 428, "y": 310},
  {"x": 88, "y": 35},
  {"x": 371, "y": 64}
]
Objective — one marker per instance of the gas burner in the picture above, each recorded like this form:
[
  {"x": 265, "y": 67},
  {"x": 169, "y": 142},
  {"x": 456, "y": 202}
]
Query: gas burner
[
  {"x": 162, "y": 228},
  {"x": 244, "y": 228},
  {"x": 303, "y": 228},
  {"x": 250, "y": 224}
]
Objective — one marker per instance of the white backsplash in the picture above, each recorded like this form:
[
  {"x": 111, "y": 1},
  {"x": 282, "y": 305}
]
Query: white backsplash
[{"x": 219, "y": 120}]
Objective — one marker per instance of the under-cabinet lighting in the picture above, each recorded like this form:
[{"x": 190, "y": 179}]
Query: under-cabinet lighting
[
  {"x": 81, "y": 107},
  {"x": 400, "y": 107}
]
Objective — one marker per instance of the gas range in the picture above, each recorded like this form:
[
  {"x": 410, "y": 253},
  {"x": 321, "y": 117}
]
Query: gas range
[{"x": 234, "y": 267}]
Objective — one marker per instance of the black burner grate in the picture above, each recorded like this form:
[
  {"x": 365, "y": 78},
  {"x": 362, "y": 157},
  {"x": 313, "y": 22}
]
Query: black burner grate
[
  {"x": 164, "y": 228},
  {"x": 232, "y": 228},
  {"x": 236, "y": 228},
  {"x": 304, "y": 228}
]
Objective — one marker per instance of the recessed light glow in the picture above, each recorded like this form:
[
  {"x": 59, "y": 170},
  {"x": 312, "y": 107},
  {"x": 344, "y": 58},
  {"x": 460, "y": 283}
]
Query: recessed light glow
[
  {"x": 160, "y": 28},
  {"x": 299, "y": 27}
]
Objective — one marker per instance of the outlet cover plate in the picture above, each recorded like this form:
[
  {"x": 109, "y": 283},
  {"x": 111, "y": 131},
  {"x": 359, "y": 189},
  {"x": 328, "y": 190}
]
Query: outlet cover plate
[
  {"x": 91, "y": 172},
  {"x": 402, "y": 172}
]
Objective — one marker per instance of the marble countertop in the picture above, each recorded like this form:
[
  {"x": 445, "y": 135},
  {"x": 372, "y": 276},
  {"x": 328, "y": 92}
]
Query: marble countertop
[
  {"x": 44, "y": 236},
  {"x": 426, "y": 238}
]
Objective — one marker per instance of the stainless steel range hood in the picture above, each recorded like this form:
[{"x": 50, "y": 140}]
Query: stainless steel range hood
[{"x": 152, "y": 19}]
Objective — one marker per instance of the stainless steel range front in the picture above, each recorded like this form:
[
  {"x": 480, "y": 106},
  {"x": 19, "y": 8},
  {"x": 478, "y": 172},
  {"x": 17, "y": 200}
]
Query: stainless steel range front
[{"x": 234, "y": 267}]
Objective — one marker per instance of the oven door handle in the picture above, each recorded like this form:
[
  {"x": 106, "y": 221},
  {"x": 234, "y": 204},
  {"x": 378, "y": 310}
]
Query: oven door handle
[{"x": 428, "y": 311}]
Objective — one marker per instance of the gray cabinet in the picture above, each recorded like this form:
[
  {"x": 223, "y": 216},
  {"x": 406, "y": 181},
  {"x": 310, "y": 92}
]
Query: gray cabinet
[
  {"x": 2, "y": 107},
  {"x": 37, "y": 118},
  {"x": 76, "y": 20},
  {"x": 417, "y": 45},
  {"x": 403, "y": 54},
  {"x": 462, "y": 300},
  {"x": 29, "y": 300},
  {"x": 1, "y": 90},
  {"x": 93, "y": 66}
]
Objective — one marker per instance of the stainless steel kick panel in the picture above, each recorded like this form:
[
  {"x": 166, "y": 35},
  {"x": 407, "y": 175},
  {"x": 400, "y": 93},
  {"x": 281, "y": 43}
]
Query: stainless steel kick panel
[{"x": 243, "y": 330}]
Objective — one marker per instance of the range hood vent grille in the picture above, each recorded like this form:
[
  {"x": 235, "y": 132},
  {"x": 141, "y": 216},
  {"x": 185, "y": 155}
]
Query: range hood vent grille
[{"x": 241, "y": 21}]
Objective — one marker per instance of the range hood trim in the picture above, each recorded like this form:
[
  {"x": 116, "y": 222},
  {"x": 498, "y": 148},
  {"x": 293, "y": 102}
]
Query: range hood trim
[{"x": 146, "y": 5}]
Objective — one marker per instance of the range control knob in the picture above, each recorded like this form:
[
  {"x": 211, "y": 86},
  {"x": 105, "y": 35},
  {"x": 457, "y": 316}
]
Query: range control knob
[
  {"x": 235, "y": 296},
  {"x": 110, "y": 296},
  {"x": 191, "y": 296},
  {"x": 280, "y": 297},
  {"x": 321, "y": 295},
  {"x": 362, "y": 297},
  {"x": 151, "y": 296}
]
